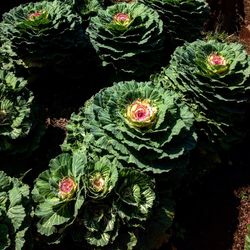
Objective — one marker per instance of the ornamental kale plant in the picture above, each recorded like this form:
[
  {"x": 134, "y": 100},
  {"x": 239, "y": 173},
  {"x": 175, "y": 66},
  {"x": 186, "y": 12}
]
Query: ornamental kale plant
[
  {"x": 129, "y": 37},
  {"x": 96, "y": 200},
  {"x": 59, "y": 193},
  {"x": 16, "y": 104},
  {"x": 137, "y": 123},
  {"x": 14, "y": 212},
  {"x": 43, "y": 32},
  {"x": 215, "y": 80},
  {"x": 183, "y": 19}
]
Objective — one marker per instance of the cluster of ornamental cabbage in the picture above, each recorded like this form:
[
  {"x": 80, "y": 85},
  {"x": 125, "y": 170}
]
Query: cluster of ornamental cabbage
[
  {"x": 121, "y": 146},
  {"x": 112, "y": 186},
  {"x": 95, "y": 199},
  {"x": 129, "y": 37}
]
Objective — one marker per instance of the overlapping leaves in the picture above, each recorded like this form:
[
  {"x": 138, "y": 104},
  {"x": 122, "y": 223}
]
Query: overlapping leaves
[
  {"x": 95, "y": 196},
  {"x": 179, "y": 17},
  {"x": 14, "y": 212},
  {"x": 103, "y": 125}
]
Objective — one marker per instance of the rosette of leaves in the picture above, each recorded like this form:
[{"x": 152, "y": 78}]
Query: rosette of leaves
[
  {"x": 14, "y": 212},
  {"x": 136, "y": 196},
  {"x": 215, "y": 80},
  {"x": 16, "y": 103},
  {"x": 129, "y": 37},
  {"x": 59, "y": 193},
  {"x": 137, "y": 123},
  {"x": 183, "y": 19},
  {"x": 101, "y": 177},
  {"x": 43, "y": 32}
]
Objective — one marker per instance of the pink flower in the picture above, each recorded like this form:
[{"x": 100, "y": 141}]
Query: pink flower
[
  {"x": 67, "y": 188},
  {"x": 216, "y": 59},
  {"x": 217, "y": 64},
  {"x": 122, "y": 19},
  {"x": 34, "y": 15},
  {"x": 141, "y": 113},
  {"x": 98, "y": 182}
]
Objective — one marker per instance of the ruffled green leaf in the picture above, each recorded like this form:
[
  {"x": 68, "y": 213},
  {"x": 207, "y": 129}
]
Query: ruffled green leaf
[
  {"x": 101, "y": 223},
  {"x": 247, "y": 240}
]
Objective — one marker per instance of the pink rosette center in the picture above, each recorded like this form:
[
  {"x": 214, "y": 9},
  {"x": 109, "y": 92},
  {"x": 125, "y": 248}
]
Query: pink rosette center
[
  {"x": 98, "y": 182},
  {"x": 217, "y": 60},
  {"x": 67, "y": 187},
  {"x": 34, "y": 15},
  {"x": 141, "y": 113}
]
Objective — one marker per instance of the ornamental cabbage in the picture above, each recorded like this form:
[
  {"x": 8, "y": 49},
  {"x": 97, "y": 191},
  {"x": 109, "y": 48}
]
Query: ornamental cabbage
[
  {"x": 42, "y": 32},
  {"x": 215, "y": 80},
  {"x": 137, "y": 123},
  {"x": 129, "y": 37},
  {"x": 183, "y": 19},
  {"x": 101, "y": 178},
  {"x": 14, "y": 212},
  {"x": 59, "y": 193},
  {"x": 101, "y": 224}
]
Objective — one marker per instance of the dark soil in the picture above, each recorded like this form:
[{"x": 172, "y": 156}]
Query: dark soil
[
  {"x": 245, "y": 29},
  {"x": 243, "y": 195}
]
